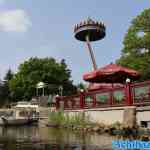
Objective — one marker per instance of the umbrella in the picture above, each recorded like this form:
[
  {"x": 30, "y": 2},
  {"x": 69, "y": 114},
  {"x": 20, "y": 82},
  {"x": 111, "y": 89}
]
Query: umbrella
[{"x": 111, "y": 73}]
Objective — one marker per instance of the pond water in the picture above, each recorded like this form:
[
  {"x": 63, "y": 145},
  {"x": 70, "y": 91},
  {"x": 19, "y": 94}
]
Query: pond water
[{"x": 44, "y": 138}]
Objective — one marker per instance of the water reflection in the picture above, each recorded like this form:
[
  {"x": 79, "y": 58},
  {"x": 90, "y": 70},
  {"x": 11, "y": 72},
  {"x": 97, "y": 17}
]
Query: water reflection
[{"x": 37, "y": 138}]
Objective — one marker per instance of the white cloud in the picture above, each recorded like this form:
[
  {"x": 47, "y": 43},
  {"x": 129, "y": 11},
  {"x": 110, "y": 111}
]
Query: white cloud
[{"x": 14, "y": 20}]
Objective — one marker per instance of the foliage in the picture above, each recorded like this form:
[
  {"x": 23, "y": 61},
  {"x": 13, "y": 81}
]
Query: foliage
[
  {"x": 61, "y": 118},
  {"x": 115, "y": 125},
  {"x": 57, "y": 118},
  {"x": 81, "y": 86},
  {"x": 9, "y": 75},
  {"x": 35, "y": 70},
  {"x": 136, "y": 51},
  {"x": 5, "y": 93}
]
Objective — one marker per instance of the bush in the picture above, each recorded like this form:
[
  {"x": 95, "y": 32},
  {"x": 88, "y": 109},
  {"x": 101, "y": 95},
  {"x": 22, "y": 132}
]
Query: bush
[{"x": 60, "y": 118}]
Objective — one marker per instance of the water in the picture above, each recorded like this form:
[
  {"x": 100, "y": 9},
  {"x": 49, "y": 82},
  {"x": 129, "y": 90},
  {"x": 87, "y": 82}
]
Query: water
[{"x": 43, "y": 138}]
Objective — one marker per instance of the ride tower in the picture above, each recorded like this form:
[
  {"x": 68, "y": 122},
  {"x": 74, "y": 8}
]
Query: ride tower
[{"x": 89, "y": 31}]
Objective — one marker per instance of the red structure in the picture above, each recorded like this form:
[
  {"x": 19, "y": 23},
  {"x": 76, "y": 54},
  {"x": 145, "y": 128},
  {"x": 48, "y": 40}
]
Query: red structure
[
  {"x": 101, "y": 86},
  {"x": 137, "y": 94},
  {"x": 111, "y": 73},
  {"x": 104, "y": 95}
]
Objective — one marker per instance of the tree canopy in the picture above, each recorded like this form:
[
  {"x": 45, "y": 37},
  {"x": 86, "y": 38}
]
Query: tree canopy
[
  {"x": 136, "y": 50},
  {"x": 35, "y": 70},
  {"x": 5, "y": 93}
]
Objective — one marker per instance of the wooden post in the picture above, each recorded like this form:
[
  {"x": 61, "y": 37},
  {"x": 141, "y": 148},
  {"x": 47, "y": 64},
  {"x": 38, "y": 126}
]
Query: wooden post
[
  {"x": 82, "y": 101},
  {"x": 57, "y": 102},
  {"x": 111, "y": 95},
  {"x": 94, "y": 100},
  {"x": 111, "y": 98}
]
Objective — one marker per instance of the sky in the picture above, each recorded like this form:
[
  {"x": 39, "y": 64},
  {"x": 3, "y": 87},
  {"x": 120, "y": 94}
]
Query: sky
[{"x": 44, "y": 28}]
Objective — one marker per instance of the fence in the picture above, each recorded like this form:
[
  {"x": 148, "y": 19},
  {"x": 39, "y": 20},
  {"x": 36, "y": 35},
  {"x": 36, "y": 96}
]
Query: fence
[{"x": 130, "y": 94}]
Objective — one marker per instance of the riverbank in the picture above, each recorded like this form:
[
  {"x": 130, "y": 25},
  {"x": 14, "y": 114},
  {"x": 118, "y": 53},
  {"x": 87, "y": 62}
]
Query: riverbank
[
  {"x": 81, "y": 122},
  {"x": 117, "y": 130}
]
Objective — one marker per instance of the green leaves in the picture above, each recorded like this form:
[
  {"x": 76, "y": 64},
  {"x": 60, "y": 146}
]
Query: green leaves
[
  {"x": 47, "y": 70},
  {"x": 136, "y": 51}
]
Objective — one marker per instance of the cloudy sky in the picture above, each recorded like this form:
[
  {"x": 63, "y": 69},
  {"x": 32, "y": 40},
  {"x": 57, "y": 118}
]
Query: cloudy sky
[{"x": 44, "y": 28}]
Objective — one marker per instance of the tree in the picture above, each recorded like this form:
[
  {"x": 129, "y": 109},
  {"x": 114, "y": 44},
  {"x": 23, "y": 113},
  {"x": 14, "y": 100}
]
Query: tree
[
  {"x": 9, "y": 75},
  {"x": 81, "y": 86},
  {"x": 136, "y": 51},
  {"x": 2, "y": 101},
  {"x": 5, "y": 94},
  {"x": 47, "y": 70}
]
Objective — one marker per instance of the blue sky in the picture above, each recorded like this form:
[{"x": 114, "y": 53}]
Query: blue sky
[{"x": 44, "y": 28}]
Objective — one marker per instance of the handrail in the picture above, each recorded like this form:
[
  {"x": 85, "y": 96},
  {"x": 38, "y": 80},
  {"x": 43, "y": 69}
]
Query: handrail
[{"x": 128, "y": 99}]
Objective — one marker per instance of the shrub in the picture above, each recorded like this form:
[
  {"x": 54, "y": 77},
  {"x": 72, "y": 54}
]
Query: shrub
[{"x": 61, "y": 118}]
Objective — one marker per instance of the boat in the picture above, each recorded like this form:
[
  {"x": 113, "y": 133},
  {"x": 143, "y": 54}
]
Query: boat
[
  {"x": 7, "y": 121},
  {"x": 23, "y": 114}
]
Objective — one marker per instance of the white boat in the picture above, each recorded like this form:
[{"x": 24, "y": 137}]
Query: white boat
[
  {"x": 23, "y": 114},
  {"x": 7, "y": 121}
]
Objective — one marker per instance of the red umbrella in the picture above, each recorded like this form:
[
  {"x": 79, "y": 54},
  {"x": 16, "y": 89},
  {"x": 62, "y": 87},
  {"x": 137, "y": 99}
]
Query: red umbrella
[{"x": 111, "y": 73}]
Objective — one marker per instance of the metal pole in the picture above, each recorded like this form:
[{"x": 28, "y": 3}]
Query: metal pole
[{"x": 91, "y": 52}]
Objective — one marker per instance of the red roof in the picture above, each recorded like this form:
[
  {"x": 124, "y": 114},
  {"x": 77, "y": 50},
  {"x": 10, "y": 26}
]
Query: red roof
[{"x": 111, "y": 73}]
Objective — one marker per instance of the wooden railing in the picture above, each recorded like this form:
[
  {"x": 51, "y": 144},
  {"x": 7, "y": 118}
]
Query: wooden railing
[{"x": 130, "y": 94}]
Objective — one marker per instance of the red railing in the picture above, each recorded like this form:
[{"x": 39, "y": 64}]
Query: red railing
[
  {"x": 69, "y": 102},
  {"x": 140, "y": 93},
  {"x": 130, "y": 94}
]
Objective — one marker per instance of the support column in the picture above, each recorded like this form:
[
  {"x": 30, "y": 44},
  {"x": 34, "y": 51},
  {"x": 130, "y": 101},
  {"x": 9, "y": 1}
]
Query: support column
[
  {"x": 94, "y": 101},
  {"x": 82, "y": 101},
  {"x": 129, "y": 100},
  {"x": 91, "y": 52}
]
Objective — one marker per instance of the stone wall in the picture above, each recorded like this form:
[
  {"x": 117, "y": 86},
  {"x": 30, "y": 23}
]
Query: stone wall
[
  {"x": 143, "y": 114},
  {"x": 102, "y": 115},
  {"x": 116, "y": 114}
]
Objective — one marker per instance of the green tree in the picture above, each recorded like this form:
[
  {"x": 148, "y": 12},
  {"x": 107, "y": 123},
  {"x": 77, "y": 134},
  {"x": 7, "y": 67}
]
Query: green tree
[
  {"x": 8, "y": 76},
  {"x": 47, "y": 70},
  {"x": 2, "y": 101},
  {"x": 5, "y": 93},
  {"x": 136, "y": 51},
  {"x": 81, "y": 86}
]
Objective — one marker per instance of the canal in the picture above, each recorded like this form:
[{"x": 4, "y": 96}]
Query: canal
[{"x": 44, "y": 138}]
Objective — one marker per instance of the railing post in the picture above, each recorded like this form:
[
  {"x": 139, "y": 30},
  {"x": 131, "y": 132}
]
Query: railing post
[
  {"x": 81, "y": 99},
  {"x": 129, "y": 100},
  {"x": 111, "y": 97},
  {"x": 94, "y": 100},
  {"x": 57, "y": 102}
]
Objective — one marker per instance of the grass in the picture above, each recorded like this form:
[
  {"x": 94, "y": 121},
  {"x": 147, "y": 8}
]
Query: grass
[{"x": 64, "y": 119}]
